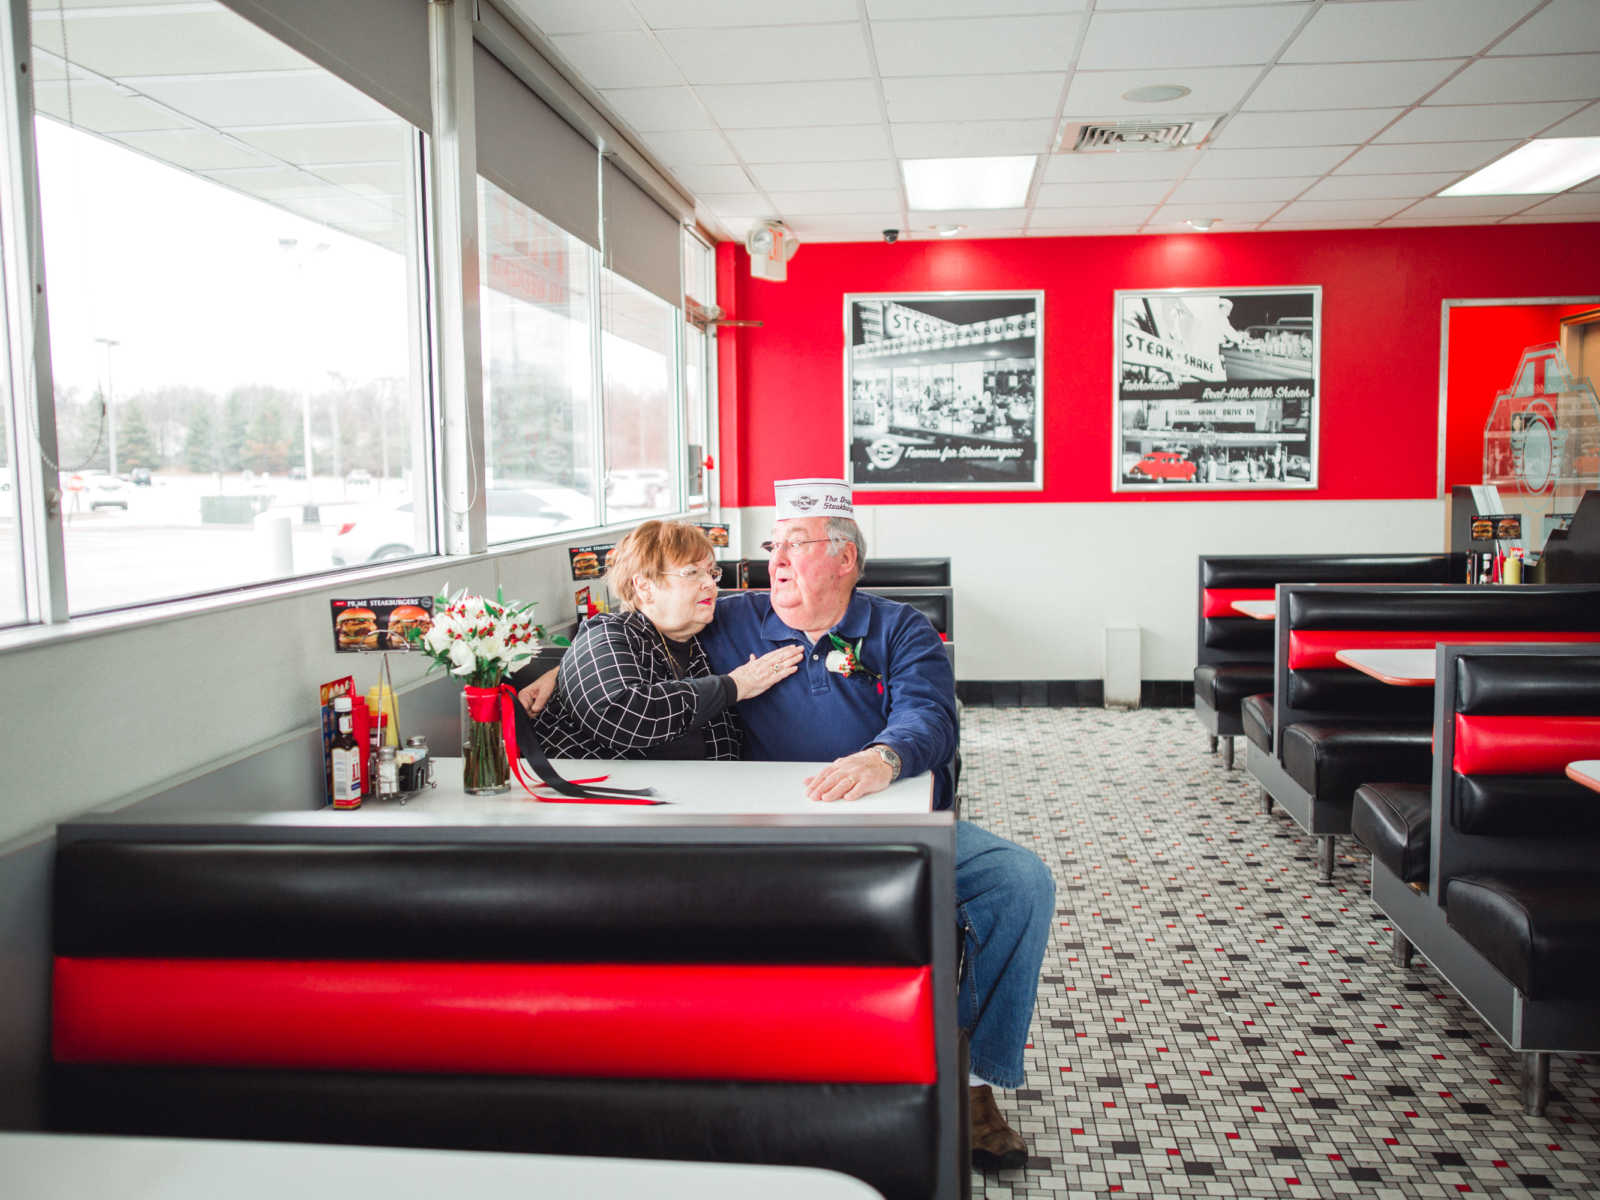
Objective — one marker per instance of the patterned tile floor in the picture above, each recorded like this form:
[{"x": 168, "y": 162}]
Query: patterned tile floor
[{"x": 1211, "y": 1021}]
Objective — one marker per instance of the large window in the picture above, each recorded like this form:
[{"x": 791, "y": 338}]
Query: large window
[
  {"x": 12, "y": 610},
  {"x": 699, "y": 286},
  {"x": 537, "y": 381},
  {"x": 638, "y": 368},
  {"x": 226, "y": 231}
]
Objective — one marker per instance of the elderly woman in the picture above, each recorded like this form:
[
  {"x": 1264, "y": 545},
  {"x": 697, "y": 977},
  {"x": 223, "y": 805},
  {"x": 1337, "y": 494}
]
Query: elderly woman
[{"x": 636, "y": 684}]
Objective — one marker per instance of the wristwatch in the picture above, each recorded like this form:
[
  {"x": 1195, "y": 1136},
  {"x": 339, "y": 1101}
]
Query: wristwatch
[{"x": 888, "y": 756}]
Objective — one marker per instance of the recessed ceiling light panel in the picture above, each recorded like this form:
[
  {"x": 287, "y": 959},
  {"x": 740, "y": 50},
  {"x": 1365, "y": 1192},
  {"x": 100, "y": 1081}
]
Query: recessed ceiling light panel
[
  {"x": 936, "y": 184},
  {"x": 1542, "y": 167},
  {"x": 1156, "y": 93}
]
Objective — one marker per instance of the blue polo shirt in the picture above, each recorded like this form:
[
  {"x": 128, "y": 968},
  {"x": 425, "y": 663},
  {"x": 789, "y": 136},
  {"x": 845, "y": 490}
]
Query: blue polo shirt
[{"x": 816, "y": 715}]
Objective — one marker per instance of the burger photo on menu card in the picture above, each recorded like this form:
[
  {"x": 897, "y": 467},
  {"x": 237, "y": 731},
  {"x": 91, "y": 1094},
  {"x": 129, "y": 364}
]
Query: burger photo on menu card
[
  {"x": 402, "y": 618},
  {"x": 356, "y": 629},
  {"x": 585, "y": 564}
]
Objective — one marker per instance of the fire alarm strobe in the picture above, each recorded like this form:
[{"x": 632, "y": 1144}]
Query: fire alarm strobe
[{"x": 771, "y": 244}]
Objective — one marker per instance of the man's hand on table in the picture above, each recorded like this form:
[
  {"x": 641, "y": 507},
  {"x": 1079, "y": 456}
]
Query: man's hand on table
[
  {"x": 537, "y": 694},
  {"x": 850, "y": 778}
]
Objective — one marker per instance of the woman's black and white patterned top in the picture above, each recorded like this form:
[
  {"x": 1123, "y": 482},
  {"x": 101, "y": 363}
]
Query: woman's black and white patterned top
[{"x": 620, "y": 695}]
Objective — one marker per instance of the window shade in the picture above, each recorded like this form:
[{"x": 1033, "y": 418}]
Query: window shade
[
  {"x": 378, "y": 46},
  {"x": 525, "y": 149},
  {"x": 642, "y": 239}
]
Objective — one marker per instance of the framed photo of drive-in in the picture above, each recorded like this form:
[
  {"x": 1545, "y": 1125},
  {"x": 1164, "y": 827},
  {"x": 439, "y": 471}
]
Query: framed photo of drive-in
[
  {"x": 1217, "y": 388},
  {"x": 943, "y": 391}
]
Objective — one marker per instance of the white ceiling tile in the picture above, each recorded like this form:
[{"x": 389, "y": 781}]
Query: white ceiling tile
[
  {"x": 198, "y": 41},
  {"x": 723, "y": 178},
  {"x": 1212, "y": 90},
  {"x": 193, "y": 149},
  {"x": 651, "y": 110},
  {"x": 1302, "y": 86},
  {"x": 1531, "y": 218},
  {"x": 736, "y": 227},
  {"x": 1117, "y": 168},
  {"x": 1110, "y": 214},
  {"x": 690, "y": 147},
  {"x": 1200, "y": 190},
  {"x": 972, "y": 218},
  {"x": 814, "y": 225},
  {"x": 1226, "y": 212},
  {"x": 1393, "y": 29},
  {"x": 1371, "y": 187},
  {"x": 1341, "y": 210},
  {"x": 1423, "y": 156},
  {"x": 993, "y": 45},
  {"x": 618, "y": 60},
  {"x": 1072, "y": 195},
  {"x": 576, "y": 16},
  {"x": 1084, "y": 231},
  {"x": 1316, "y": 127},
  {"x": 1473, "y": 122},
  {"x": 760, "y": 55},
  {"x": 1570, "y": 204},
  {"x": 1415, "y": 222},
  {"x": 738, "y": 206},
  {"x": 1214, "y": 37},
  {"x": 754, "y": 105},
  {"x": 1293, "y": 226},
  {"x": 1565, "y": 26},
  {"x": 1508, "y": 80},
  {"x": 1581, "y": 124},
  {"x": 1470, "y": 206},
  {"x": 729, "y": 14},
  {"x": 962, "y": 139},
  {"x": 102, "y": 107},
  {"x": 825, "y": 176},
  {"x": 902, "y": 10},
  {"x": 972, "y": 97},
  {"x": 265, "y": 98},
  {"x": 1281, "y": 163},
  {"x": 1111, "y": 5},
  {"x": 849, "y": 201},
  {"x": 810, "y": 143}
]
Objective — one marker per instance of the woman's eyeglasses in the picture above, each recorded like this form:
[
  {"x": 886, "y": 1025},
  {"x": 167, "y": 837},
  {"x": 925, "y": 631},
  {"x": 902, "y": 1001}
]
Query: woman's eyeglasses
[
  {"x": 792, "y": 545},
  {"x": 714, "y": 574}
]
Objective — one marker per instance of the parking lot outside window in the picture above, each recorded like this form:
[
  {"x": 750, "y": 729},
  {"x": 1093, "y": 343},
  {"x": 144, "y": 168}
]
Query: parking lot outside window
[
  {"x": 537, "y": 393},
  {"x": 229, "y": 266},
  {"x": 699, "y": 286},
  {"x": 638, "y": 367},
  {"x": 12, "y": 608}
]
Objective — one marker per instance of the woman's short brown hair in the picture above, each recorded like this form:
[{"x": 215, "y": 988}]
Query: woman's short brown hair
[{"x": 650, "y": 550}]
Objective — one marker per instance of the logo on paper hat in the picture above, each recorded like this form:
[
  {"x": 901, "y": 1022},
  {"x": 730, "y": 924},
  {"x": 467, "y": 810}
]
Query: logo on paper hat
[{"x": 813, "y": 498}]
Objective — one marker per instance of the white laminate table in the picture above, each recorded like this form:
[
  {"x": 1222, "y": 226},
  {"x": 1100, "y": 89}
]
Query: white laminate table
[
  {"x": 1585, "y": 771},
  {"x": 1401, "y": 668},
  {"x": 1260, "y": 610},
  {"x": 693, "y": 788},
  {"x": 54, "y": 1166}
]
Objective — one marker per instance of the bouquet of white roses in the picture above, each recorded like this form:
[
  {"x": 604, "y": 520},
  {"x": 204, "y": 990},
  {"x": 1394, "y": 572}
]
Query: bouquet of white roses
[{"x": 478, "y": 639}]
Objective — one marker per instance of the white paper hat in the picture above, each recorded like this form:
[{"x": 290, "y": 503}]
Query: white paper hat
[{"x": 813, "y": 498}]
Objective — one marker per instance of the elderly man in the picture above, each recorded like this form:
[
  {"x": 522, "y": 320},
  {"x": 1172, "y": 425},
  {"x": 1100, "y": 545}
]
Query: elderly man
[{"x": 890, "y": 712}]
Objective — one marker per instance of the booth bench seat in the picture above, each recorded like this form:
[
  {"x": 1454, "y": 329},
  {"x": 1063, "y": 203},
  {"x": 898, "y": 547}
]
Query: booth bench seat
[
  {"x": 717, "y": 993},
  {"x": 1489, "y": 869}
]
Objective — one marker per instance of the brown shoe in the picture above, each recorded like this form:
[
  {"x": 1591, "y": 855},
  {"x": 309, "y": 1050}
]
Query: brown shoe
[{"x": 995, "y": 1145}]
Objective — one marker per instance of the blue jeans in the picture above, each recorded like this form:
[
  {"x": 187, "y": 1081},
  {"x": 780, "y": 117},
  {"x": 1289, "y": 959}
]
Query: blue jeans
[{"x": 1005, "y": 902}]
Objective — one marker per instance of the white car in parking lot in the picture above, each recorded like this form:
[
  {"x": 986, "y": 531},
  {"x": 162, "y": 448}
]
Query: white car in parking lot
[{"x": 374, "y": 532}]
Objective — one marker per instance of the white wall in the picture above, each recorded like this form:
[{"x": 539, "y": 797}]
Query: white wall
[{"x": 1036, "y": 584}]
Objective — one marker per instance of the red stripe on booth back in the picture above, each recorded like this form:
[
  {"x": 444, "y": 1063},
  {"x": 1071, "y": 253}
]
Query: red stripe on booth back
[
  {"x": 1313, "y": 648},
  {"x": 802, "y": 1024},
  {"x": 1218, "y": 602},
  {"x": 1488, "y": 745}
]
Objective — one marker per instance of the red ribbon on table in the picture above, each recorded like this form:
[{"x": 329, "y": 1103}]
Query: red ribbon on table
[{"x": 481, "y": 706}]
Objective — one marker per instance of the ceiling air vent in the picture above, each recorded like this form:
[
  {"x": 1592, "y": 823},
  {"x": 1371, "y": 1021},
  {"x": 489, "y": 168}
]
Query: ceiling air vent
[{"x": 1098, "y": 137}]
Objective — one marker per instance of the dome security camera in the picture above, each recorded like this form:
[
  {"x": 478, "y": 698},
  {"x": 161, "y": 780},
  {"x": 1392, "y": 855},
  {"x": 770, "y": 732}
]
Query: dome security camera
[{"x": 891, "y": 236}]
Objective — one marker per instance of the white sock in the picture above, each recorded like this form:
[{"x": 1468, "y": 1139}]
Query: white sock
[{"x": 974, "y": 1081}]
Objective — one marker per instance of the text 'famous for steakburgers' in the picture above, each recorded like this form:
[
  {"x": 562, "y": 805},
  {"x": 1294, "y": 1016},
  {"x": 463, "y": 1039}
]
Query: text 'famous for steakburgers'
[
  {"x": 406, "y": 617},
  {"x": 356, "y": 628}
]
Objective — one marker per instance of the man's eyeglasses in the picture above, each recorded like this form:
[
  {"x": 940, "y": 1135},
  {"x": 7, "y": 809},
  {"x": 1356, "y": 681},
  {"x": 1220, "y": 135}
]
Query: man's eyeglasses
[
  {"x": 792, "y": 545},
  {"x": 714, "y": 574}
]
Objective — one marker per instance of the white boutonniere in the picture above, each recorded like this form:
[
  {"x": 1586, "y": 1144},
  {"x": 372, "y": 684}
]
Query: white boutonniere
[{"x": 845, "y": 660}]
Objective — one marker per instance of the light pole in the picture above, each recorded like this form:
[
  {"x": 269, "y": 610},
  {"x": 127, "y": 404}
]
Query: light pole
[{"x": 111, "y": 418}]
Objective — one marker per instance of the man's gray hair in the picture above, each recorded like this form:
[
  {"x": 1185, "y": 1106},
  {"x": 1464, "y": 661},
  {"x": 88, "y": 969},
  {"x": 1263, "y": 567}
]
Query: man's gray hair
[{"x": 843, "y": 530}]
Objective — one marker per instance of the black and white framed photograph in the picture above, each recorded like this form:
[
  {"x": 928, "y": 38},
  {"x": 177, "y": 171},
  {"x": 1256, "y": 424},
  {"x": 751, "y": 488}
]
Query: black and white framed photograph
[
  {"x": 943, "y": 390},
  {"x": 1217, "y": 389}
]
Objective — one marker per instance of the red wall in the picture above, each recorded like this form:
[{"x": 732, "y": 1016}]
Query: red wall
[
  {"x": 782, "y": 385},
  {"x": 1486, "y": 344}
]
